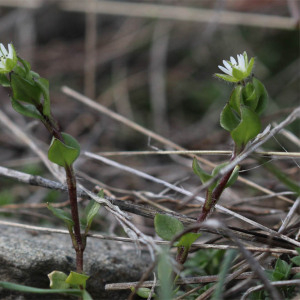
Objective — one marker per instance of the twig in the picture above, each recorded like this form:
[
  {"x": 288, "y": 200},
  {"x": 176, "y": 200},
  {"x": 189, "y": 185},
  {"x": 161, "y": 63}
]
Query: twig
[
  {"x": 198, "y": 152},
  {"x": 190, "y": 280},
  {"x": 255, "y": 266},
  {"x": 89, "y": 102},
  {"x": 250, "y": 149},
  {"x": 142, "y": 280},
  {"x": 274, "y": 283},
  {"x": 130, "y": 240},
  {"x": 30, "y": 142},
  {"x": 124, "y": 205},
  {"x": 179, "y": 13},
  {"x": 289, "y": 215},
  {"x": 157, "y": 75},
  {"x": 187, "y": 193}
]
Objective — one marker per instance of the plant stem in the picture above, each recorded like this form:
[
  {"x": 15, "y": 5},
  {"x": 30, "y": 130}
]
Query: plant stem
[
  {"x": 213, "y": 197},
  {"x": 79, "y": 246},
  {"x": 76, "y": 237}
]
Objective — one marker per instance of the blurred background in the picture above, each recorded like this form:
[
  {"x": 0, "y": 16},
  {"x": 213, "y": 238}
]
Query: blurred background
[{"x": 152, "y": 62}]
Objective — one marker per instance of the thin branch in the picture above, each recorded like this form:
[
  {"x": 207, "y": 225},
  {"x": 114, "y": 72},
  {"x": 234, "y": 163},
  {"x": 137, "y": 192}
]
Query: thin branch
[
  {"x": 179, "y": 13},
  {"x": 274, "y": 283},
  {"x": 190, "y": 280},
  {"x": 188, "y": 193},
  {"x": 29, "y": 141},
  {"x": 255, "y": 266},
  {"x": 98, "y": 107},
  {"x": 124, "y": 205},
  {"x": 289, "y": 215},
  {"x": 198, "y": 152},
  {"x": 249, "y": 150},
  {"x": 158, "y": 242}
]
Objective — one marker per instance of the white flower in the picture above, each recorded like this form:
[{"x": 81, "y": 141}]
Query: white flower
[
  {"x": 236, "y": 70},
  {"x": 8, "y": 59}
]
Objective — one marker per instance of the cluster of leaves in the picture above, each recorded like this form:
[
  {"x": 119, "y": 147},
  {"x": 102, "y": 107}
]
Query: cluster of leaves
[
  {"x": 240, "y": 115},
  {"x": 30, "y": 97},
  {"x": 60, "y": 283},
  {"x": 281, "y": 271}
]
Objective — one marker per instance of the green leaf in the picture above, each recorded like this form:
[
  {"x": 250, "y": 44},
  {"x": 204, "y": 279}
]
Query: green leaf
[
  {"x": 227, "y": 77},
  {"x": 238, "y": 74},
  {"x": 217, "y": 168},
  {"x": 200, "y": 172},
  {"x": 262, "y": 96},
  {"x": 4, "y": 81},
  {"x": 143, "y": 292},
  {"x": 20, "y": 71},
  {"x": 43, "y": 84},
  {"x": 188, "y": 239},
  {"x": 298, "y": 250},
  {"x": 248, "y": 128},
  {"x": 281, "y": 271},
  {"x": 58, "y": 280},
  {"x": 26, "y": 66},
  {"x": 250, "y": 97},
  {"x": 77, "y": 279},
  {"x": 224, "y": 269},
  {"x": 27, "y": 110},
  {"x": 28, "y": 289},
  {"x": 86, "y": 295},
  {"x": 233, "y": 177},
  {"x": 61, "y": 214},
  {"x": 296, "y": 260},
  {"x": 25, "y": 90},
  {"x": 164, "y": 273},
  {"x": 250, "y": 65},
  {"x": 235, "y": 99},
  {"x": 91, "y": 211},
  {"x": 64, "y": 154},
  {"x": 228, "y": 118},
  {"x": 167, "y": 227}
]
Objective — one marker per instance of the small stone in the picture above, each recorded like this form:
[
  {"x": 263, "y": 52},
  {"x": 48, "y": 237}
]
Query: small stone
[{"x": 27, "y": 258}]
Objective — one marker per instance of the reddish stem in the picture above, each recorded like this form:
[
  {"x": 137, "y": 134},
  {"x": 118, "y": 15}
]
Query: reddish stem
[
  {"x": 213, "y": 197},
  {"x": 79, "y": 247}
]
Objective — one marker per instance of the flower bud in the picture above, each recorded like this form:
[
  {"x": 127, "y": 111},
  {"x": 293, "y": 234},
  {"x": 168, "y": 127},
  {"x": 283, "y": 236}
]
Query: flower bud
[{"x": 8, "y": 59}]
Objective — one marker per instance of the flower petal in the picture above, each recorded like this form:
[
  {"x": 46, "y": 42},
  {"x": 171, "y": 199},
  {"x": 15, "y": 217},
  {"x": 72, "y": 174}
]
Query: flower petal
[
  {"x": 229, "y": 72},
  {"x": 3, "y": 50},
  {"x": 233, "y": 61},
  {"x": 10, "y": 51},
  {"x": 243, "y": 63},
  {"x": 226, "y": 64}
]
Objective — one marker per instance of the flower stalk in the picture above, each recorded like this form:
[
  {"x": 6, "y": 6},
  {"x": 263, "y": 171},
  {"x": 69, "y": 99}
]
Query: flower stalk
[
  {"x": 30, "y": 97},
  {"x": 240, "y": 117}
]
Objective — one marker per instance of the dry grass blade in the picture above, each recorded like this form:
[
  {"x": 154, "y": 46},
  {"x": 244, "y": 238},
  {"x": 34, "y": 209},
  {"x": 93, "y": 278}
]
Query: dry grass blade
[
  {"x": 98, "y": 107},
  {"x": 188, "y": 193},
  {"x": 274, "y": 283},
  {"x": 179, "y": 13},
  {"x": 199, "y": 152}
]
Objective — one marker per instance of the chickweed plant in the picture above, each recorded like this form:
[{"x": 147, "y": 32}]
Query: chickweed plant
[
  {"x": 29, "y": 95},
  {"x": 241, "y": 118}
]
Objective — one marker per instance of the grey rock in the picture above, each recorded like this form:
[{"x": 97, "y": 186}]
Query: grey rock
[{"x": 26, "y": 257}]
